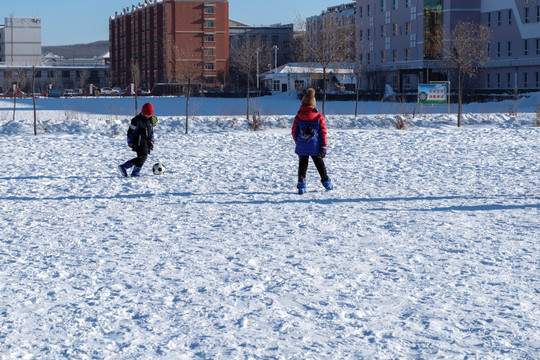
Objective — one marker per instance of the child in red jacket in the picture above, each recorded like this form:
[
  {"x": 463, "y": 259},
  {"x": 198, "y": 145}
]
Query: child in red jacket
[{"x": 309, "y": 134}]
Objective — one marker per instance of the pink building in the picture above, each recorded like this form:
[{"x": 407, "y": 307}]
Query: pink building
[{"x": 398, "y": 42}]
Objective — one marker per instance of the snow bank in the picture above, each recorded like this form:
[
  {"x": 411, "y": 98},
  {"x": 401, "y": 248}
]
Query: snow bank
[{"x": 110, "y": 115}]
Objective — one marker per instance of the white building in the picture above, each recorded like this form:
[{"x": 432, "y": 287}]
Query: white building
[
  {"x": 20, "y": 41},
  {"x": 300, "y": 76}
]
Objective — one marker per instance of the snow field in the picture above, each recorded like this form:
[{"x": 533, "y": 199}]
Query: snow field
[{"x": 426, "y": 249}]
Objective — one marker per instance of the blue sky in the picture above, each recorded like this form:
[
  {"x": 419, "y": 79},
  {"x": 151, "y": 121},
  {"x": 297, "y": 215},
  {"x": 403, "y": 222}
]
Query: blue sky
[{"x": 66, "y": 22}]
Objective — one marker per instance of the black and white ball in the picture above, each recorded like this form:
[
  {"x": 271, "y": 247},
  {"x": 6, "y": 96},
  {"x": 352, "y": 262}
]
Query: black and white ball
[{"x": 158, "y": 169}]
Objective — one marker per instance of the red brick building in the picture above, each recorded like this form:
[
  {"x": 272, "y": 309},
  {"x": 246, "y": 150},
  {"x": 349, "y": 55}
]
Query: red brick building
[{"x": 170, "y": 41}]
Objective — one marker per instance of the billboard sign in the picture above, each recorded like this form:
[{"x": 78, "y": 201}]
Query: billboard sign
[{"x": 432, "y": 94}]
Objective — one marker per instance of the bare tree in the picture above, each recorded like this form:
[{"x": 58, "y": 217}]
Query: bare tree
[
  {"x": 53, "y": 78},
  {"x": 20, "y": 82},
  {"x": 82, "y": 77},
  {"x": 326, "y": 42},
  {"x": 187, "y": 68},
  {"x": 244, "y": 52},
  {"x": 299, "y": 40},
  {"x": 8, "y": 79},
  {"x": 465, "y": 52}
]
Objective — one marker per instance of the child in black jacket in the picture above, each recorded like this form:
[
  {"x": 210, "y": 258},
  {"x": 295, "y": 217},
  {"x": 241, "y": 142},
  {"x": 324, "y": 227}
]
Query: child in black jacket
[{"x": 140, "y": 138}]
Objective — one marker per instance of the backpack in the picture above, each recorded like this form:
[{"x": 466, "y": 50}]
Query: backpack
[{"x": 308, "y": 139}]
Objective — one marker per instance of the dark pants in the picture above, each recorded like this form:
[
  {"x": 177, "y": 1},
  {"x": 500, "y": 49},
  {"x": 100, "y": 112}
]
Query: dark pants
[
  {"x": 303, "y": 165},
  {"x": 140, "y": 159}
]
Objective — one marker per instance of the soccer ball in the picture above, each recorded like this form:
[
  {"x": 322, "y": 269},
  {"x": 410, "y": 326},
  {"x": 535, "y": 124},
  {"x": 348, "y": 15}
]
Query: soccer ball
[{"x": 158, "y": 169}]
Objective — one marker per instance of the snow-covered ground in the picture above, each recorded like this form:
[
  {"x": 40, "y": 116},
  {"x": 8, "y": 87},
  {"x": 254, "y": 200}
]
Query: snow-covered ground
[{"x": 427, "y": 248}]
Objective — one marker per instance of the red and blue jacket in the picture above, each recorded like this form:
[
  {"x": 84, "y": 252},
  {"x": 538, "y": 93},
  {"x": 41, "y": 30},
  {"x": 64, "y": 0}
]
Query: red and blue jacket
[{"x": 309, "y": 131}]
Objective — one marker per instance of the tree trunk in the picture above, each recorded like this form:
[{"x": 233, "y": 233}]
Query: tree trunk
[
  {"x": 460, "y": 97},
  {"x": 357, "y": 97},
  {"x": 188, "y": 95},
  {"x": 247, "y": 104},
  {"x": 324, "y": 92},
  {"x": 136, "y": 101},
  {"x": 14, "y": 101},
  {"x": 34, "y": 98}
]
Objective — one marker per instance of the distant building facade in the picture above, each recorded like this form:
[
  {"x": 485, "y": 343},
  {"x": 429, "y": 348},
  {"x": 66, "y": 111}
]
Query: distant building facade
[
  {"x": 159, "y": 37},
  {"x": 61, "y": 74},
  {"x": 278, "y": 37},
  {"x": 399, "y": 41},
  {"x": 345, "y": 20},
  {"x": 20, "y": 41}
]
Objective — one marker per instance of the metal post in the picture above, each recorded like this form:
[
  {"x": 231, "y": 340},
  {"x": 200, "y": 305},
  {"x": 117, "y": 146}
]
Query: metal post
[{"x": 275, "y": 56}]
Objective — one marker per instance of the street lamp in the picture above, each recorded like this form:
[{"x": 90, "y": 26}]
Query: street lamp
[{"x": 275, "y": 56}]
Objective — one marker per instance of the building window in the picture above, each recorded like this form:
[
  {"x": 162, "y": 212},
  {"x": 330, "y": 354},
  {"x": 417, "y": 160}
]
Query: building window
[
  {"x": 408, "y": 28},
  {"x": 368, "y": 34},
  {"x": 488, "y": 22},
  {"x": 209, "y": 52},
  {"x": 395, "y": 56},
  {"x": 525, "y": 80},
  {"x": 368, "y": 58},
  {"x": 488, "y": 81},
  {"x": 275, "y": 85},
  {"x": 538, "y": 79},
  {"x": 38, "y": 74},
  {"x": 65, "y": 74},
  {"x": 383, "y": 31},
  {"x": 361, "y": 35},
  {"x": 408, "y": 54},
  {"x": 499, "y": 18},
  {"x": 395, "y": 4},
  {"x": 509, "y": 45},
  {"x": 209, "y": 80},
  {"x": 538, "y": 14},
  {"x": 525, "y": 47},
  {"x": 209, "y": 23},
  {"x": 383, "y": 57},
  {"x": 360, "y": 11},
  {"x": 537, "y": 46},
  {"x": 383, "y": 5},
  {"x": 275, "y": 40},
  {"x": 526, "y": 14},
  {"x": 508, "y": 80},
  {"x": 498, "y": 81},
  {"x": 406, "y": 82},
  {"x": 209, "y": 37},
  {"x": 209, "y": 66},
  {"x": 407, "y": 3},
  {"x": 498, "y": 49},
  {"x": 368, "y": 10},
  {"x": 395, "y": 30},
  {"x": 509, "y": 17},
  {"x": 208, "y": 9}
]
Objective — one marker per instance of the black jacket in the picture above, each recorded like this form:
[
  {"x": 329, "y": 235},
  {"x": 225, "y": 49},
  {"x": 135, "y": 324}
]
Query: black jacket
[{"x": 140, "y": 135}]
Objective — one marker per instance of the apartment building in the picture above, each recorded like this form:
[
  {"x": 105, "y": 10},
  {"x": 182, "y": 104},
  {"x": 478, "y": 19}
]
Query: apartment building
[
  {"x": 20, "y": 41},
  {"x": 278, "y": 37},
  {"x": 344, "y": 16},
  {"x": 158, "y": 39},
  {"x": 515, "y": 46},
  {"x": 399, "y": 42}
]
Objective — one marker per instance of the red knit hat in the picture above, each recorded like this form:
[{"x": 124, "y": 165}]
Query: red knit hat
[{"x": 148, "y": 109}]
